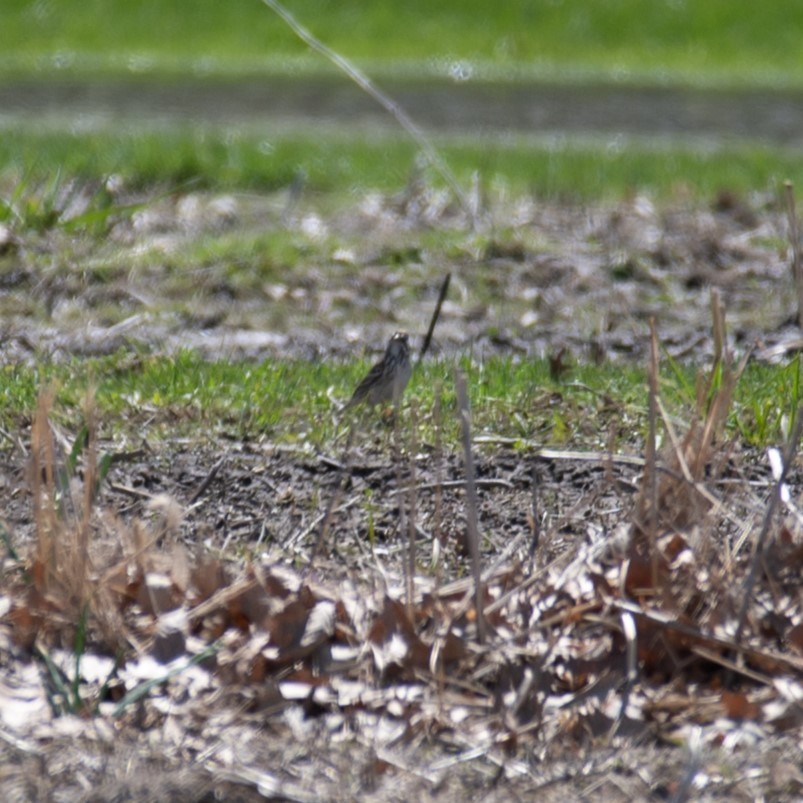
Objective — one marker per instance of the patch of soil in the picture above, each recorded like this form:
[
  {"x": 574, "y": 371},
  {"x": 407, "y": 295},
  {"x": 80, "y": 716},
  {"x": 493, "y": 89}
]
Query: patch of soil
[
  {"x": 245, "y": 739},
  {"x": 535, "y": 278}
]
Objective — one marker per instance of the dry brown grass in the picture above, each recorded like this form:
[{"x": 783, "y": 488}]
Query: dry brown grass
[{"x": 522, "y": 677}]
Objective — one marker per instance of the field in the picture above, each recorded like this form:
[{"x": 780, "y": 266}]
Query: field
[
  {"x": 722, "y": 42},
  {"x": 578, "y": 579}
]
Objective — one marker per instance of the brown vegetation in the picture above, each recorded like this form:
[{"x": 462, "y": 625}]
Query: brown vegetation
[{"x": 581, "y": 645}]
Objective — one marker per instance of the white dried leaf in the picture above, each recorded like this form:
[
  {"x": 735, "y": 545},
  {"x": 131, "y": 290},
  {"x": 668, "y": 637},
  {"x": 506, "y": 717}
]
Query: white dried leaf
[
  {"x": 294, "y": 690},
  {"x": 320, "y": 624},
  {"x": 393, "y": 651}
]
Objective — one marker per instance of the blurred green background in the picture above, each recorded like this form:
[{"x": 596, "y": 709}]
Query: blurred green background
[
  {"x": 724, "y": 41},
  {"x": 729, "y": 46}
]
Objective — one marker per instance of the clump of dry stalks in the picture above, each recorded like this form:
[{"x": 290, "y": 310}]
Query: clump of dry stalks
[
  {"x": 675, "y": 495},
  {"x": 67, "y": 582},
  {"x": 680, "y": 561}
]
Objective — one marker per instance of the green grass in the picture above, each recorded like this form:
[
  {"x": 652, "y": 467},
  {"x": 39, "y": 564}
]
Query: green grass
[
  {"x": 340, "y": 164},
  {"x": 727, "y": 41},
  {"x": 157, "y": 397}
]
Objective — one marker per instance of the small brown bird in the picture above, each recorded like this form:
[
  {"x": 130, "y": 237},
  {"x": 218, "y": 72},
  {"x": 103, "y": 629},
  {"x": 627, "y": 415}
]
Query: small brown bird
[{"x": 386, "y": 381}]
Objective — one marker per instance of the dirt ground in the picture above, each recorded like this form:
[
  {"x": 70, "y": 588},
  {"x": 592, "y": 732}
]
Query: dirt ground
[
  {"x": 383, "y": 702},
  {"x": 238, "y": 741},
  {"x": 242, "y": 277}
]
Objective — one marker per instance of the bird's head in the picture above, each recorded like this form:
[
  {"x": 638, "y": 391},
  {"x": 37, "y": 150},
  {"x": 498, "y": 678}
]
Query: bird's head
[{"x": 399, "y": 344}]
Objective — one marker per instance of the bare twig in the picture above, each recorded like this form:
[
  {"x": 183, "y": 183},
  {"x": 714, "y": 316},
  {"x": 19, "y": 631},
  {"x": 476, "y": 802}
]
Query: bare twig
[
  {"x": 437, "y": 541},
  {"x": 435, "y": 316},
  {"x": 715, "y": 658},
  {"x": 221, "y": 598},
  {"x": 758, "y": 547},
  {"x": 692, "y": 483},
  {"x": 487, "y": 482},
  {"x": 651, "y": 478},
  {"x": 90, "y": 466},
  {"x": 694, "y": 636},
  {"x": 316, "y": 522},
  {"x": 207, "y": 481},
  {"x": 630, "y": 634},
  {"x": 563, "y": 454},
  {"x": 411, "y": 516},
  {"x": 534, "y": 514},
  {"x": 471, "y": 499},
  {"x": 401, "y": 491},
  {"x": 136, "y": 493}
]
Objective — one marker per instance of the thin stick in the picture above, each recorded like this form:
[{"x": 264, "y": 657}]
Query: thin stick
[
  {"x": 794, "y": 238},
  {"x": 207, "y": 481},
  {"x": 438, "y": 538},
  {"x": 651, "y": 460},
  {"x": 316, "y": 522},
  {"x": 365, "y": 83},
  {"x": 435, "y": 316},
  {"x": 631, "y": 677},
  {"x": 758, "y": 548},
  {"x": 471, "y": 500},
  {"x": 90, "y": 460},
  {"x": 488, "y": 482},
  {"x": 411, "y": 516},
  {"x": 403, "y": 519},
  {"x": 535, "y": 514},
  {"x": 694, "y": 636}
]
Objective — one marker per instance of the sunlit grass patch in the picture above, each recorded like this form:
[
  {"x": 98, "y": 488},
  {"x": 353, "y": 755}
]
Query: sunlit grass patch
[{"x": 297, "y": 401}]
